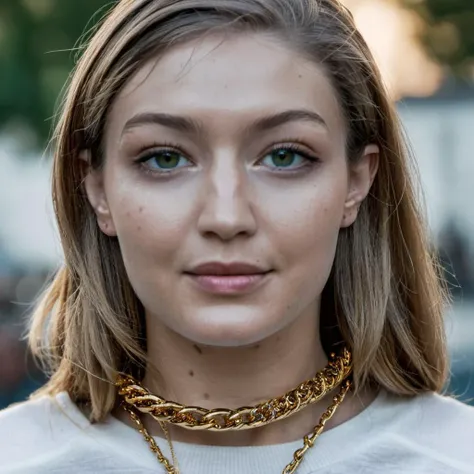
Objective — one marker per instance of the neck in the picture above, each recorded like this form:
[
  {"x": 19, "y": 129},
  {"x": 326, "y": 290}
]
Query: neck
[
  {"x": 193, "y": 374},
  {"x": 211, "y": 377}
]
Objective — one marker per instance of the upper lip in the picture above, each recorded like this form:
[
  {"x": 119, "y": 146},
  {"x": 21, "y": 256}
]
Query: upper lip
[{"x": 236, "y": 268}]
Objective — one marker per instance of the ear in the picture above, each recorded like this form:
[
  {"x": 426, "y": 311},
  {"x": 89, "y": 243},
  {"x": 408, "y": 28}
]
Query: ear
[
  {"x": 361, "y": 177},
  {"x": 95, "y": 191}
]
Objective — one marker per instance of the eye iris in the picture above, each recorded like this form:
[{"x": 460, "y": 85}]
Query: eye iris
[
  {"x": 283, "y": 158},
  {"x": 167, "y": 159}
]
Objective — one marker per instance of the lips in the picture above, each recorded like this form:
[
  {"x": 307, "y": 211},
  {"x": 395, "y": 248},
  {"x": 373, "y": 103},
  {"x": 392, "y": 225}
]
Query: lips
[
  {"x": 228, "y": 279},
  {"x": 227, "y": 269}
]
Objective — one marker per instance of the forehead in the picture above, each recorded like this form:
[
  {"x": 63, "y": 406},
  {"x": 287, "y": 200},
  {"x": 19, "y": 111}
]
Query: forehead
[{"x": 226, "y": 81}]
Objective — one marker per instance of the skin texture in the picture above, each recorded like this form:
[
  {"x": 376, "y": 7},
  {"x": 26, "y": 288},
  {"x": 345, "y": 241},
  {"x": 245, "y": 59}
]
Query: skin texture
[{"x": 229, "y": 201}]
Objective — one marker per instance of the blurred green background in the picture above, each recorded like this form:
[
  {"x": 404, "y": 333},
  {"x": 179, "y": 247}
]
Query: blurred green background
[
  {"x": 426, "y": 51},
  {"x": 40, "y": 39}
]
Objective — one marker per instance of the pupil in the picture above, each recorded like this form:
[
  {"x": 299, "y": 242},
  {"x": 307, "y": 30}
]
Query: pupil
[
  {"x": 283, "y": 158},
  {"x": 168, "y": 160}
]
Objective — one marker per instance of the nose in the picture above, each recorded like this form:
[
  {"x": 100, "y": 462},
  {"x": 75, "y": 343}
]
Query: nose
[{"x": 227, "y": 210}]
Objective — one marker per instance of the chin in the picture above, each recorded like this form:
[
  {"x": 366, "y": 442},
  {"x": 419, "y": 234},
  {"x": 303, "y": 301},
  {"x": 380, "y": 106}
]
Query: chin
[{"x": 229, "y": 326}]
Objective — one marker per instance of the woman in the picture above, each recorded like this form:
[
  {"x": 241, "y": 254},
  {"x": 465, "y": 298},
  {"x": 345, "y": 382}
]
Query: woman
[{"x": 235, "y": 204}]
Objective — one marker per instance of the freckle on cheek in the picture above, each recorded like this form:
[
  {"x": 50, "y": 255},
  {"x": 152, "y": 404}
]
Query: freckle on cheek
[{"x": 140, "y": 209}]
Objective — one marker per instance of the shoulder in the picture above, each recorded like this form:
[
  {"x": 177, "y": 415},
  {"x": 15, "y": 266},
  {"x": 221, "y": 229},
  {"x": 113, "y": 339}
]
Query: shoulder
[
  {"x": 46, "y": 415},
  {"x": 435, "y": 427},
  {"x": 443, "y": 413},
  {"x": 425, "y": 411},
  {"x": 38, "y": 428},
  {"x": 447, "y": 405},
  {"x": 51, "y": 435},
  {"x": 425, "y": 434}
]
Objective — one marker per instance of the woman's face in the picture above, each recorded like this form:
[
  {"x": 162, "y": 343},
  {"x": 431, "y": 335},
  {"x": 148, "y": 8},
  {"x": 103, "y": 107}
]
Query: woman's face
[{"x": 226, "y": 183}]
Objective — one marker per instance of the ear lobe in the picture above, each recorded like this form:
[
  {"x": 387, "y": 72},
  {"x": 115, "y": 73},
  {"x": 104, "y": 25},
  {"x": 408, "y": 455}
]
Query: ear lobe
[
  {"x": 94, "y": 186},
  {"x": 361, "y": 177}
]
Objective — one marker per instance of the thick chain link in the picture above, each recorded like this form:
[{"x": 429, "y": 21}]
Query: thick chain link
[
  {"x": 197, "y": 418},
  {"x": 308, "y": 441}
]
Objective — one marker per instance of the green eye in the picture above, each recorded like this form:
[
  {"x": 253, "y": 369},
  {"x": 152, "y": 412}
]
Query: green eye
[
  {"x": 165, "y": 160},
  {"x": 283, "y": 158}
]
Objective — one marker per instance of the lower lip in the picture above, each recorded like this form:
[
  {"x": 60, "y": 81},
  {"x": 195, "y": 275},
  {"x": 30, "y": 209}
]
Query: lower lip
[{"x": 229, "y": 284}]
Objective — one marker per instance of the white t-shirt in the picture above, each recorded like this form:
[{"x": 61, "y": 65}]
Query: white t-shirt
[{"x": 429, "y": 434}]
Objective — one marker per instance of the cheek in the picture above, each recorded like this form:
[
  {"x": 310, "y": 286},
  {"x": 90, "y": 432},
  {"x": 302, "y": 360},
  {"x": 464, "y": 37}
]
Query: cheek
[
  {"x": 151, "y": 222},
  {"x": 306, "y": 229},
  {"x": 307, "y": 221}
]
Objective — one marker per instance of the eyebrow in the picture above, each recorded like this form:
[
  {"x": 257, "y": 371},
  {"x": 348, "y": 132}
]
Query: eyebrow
[
  {"x": 281, "y": 118},
  {"x": 176, "y": 122},
  {"x": 189, "y": 125}
]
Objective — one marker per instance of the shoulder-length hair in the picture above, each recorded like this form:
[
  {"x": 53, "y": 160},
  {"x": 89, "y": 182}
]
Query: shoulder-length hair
[{"x": 384, "y": 294}]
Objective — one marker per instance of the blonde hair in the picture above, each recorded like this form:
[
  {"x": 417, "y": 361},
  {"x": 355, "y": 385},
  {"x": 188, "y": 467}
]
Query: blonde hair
[{"x": 384, "y": 295}]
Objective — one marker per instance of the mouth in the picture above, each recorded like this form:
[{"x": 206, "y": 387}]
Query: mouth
[{"x": 228, "y": 279}]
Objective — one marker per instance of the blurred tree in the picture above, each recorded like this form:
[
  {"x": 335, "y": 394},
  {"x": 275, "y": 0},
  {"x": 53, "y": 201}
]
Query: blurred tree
[
  {"x": 449, "y": 35},
  {"x": 37, "y": 41}
]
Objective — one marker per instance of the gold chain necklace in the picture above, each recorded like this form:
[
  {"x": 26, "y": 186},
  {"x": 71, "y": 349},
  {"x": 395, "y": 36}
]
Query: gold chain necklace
[
  {"x": 308, "y": 392},
  {"x": 308, "y": 440},
  {"x": 170, "y": 468}
]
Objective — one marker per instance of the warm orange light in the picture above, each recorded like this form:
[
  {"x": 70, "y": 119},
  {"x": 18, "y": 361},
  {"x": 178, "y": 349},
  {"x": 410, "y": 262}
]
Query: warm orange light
[{"x": 392, "y": 34}]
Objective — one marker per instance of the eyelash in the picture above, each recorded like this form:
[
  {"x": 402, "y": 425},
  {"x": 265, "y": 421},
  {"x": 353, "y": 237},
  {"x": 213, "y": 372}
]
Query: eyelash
[
  {"x": 151, "y": 152},
  {"x": 290, "y": 144},
  {"x": 293, "y": 145}
]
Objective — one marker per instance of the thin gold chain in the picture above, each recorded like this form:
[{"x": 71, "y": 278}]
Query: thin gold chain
[
  {"x": 170, "y": 445},
  {"x": 198, "y": 418},
  {"x": 150, "y": 440},
  {"x": 308, "y": 440}
]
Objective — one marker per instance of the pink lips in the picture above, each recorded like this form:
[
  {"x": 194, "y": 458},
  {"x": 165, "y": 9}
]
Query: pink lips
[{"x": 234, "y": 278}]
